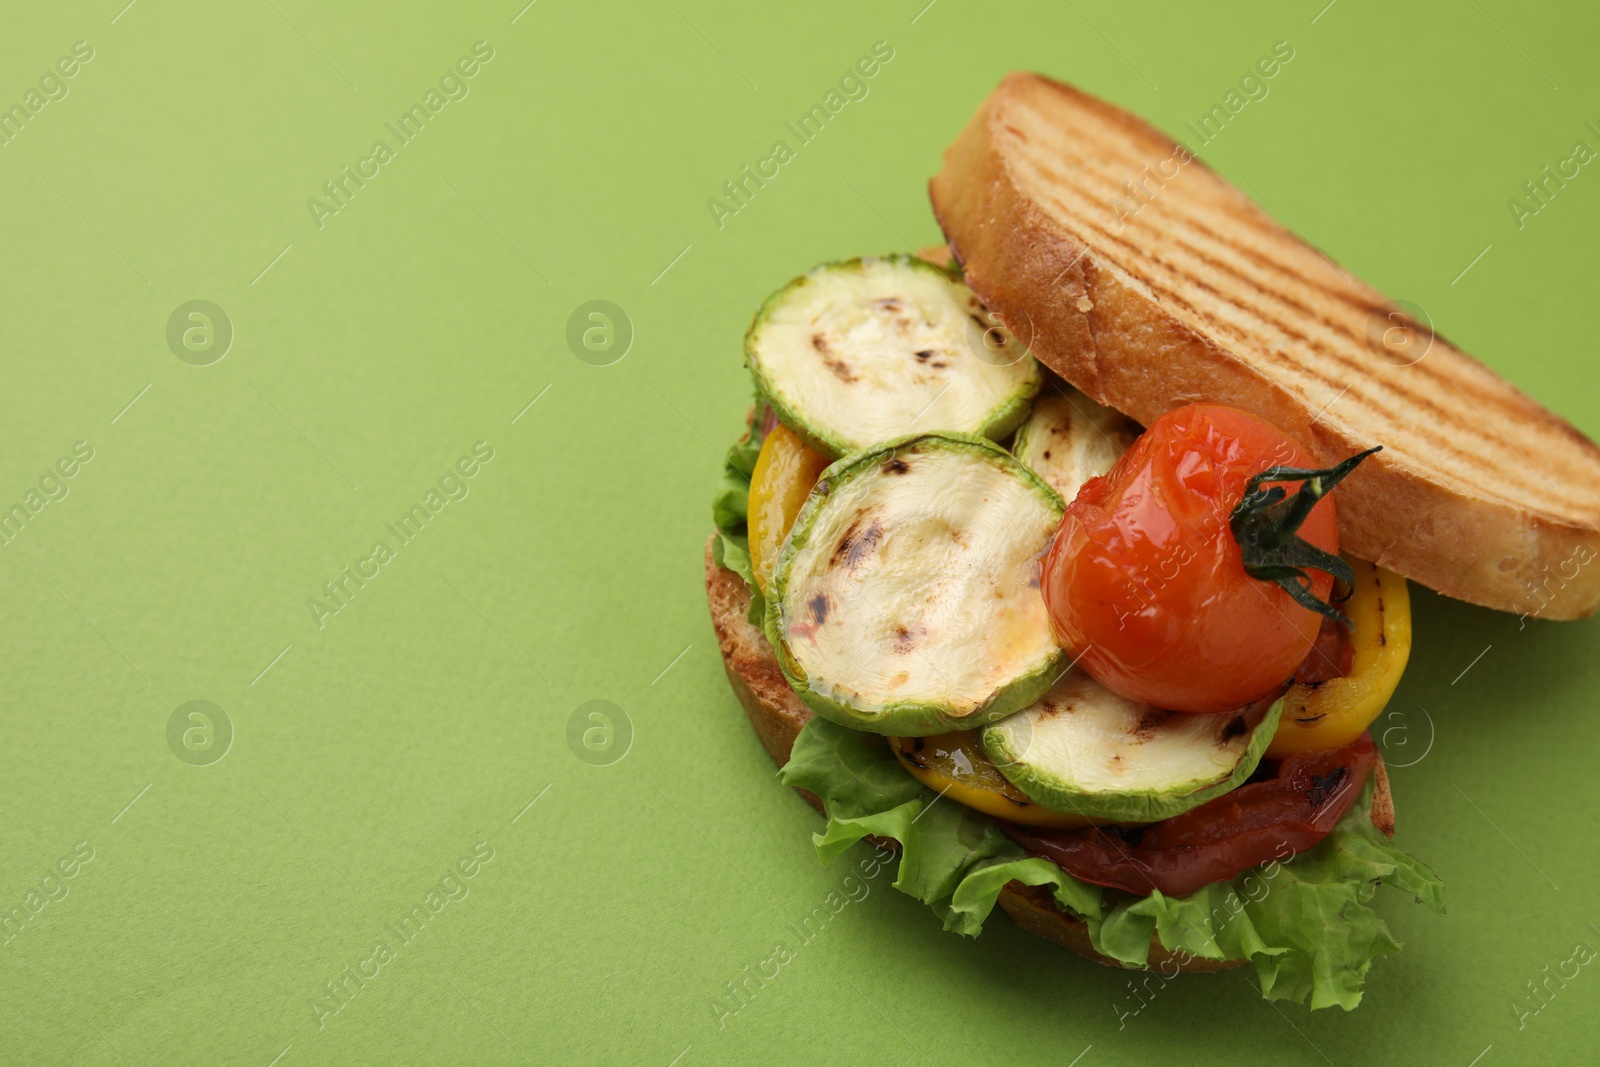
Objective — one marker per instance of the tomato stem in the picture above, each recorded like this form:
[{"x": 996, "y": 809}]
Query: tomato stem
[{"x": 1266, "y": 524}]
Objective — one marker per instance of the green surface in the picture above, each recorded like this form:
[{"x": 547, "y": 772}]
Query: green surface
[{"x": 404, "y": 736}]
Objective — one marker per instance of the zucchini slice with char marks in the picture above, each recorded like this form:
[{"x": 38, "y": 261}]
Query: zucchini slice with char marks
[
  {"x": 1084, "y": 749},
  {"x": 955, "y": 765},
  {"x": 906, "y": 598},
  {"x": 1069, "y": 438},
  {"x": 857, "y": 352}
]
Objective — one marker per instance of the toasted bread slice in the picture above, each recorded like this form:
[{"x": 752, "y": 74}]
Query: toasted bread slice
[
  {"x": 1176, "y": 288},
  {"x": 777, "y": 715}
]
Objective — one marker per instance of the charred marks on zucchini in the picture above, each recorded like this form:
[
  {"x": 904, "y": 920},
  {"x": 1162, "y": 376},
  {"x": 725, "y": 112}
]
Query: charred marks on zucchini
[
  {"x": 989, "y": 329},
  {"x": 856, "y": 544},
  {"x": 819, "y": 607},
  {"x": 898, "y": 315},
  {"x": 1236, "y": 727},
  {"x": 1149, "y": 722},
  {"x": 896, "y": 466},
  {"x": 905, "y": 639},
  {"x": 838, "y": 366}
]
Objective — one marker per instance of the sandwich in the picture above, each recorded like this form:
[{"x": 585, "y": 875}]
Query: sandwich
[{"x": 1070, "y": 559}]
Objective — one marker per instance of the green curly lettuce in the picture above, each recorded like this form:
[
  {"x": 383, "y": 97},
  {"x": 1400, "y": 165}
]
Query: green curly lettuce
[
  {"x": 730, "y": 509},
  {"x": 1304, "y": 923}
]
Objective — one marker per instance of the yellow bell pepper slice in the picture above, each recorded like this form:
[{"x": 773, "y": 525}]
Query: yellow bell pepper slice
[
  {"x": 786, "y": 469},
  {"x": 956, "y": 766},
  {"x": 1333, "y": 713}
]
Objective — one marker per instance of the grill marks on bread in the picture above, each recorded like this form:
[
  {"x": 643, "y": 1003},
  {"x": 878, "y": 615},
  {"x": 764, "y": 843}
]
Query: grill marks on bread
[
  {"x": 1272, "y": 295},
  {"x": 1190, "y": 292}
]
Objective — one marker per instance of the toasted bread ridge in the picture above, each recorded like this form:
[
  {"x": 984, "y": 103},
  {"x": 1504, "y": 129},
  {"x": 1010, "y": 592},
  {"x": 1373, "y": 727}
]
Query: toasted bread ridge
[
  {"x": 1148, "y": 281},
  {"x": 778, "y": 715}
]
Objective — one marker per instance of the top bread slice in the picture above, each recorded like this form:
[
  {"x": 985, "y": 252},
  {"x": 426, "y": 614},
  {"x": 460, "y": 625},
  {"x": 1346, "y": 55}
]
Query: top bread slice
[{"x": 1148, "y": 281}]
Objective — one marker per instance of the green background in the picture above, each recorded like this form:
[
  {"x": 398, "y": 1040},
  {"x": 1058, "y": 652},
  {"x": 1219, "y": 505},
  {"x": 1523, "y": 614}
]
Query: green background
[{"x": 423, "y": 719}]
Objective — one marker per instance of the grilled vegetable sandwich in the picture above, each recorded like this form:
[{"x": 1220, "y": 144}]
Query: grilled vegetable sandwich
[{"x": 1071, "y": 558}]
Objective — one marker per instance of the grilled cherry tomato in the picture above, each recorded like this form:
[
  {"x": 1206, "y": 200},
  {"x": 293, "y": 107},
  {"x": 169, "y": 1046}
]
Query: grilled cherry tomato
[
  {"x": 1255, "y": 824},
  {"x": 1145, "y": 581},
  {"x": 786, "y": 469}
]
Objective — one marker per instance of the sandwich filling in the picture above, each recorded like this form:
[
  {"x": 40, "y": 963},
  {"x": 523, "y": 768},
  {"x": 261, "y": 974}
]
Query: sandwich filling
[{"x": 1152, "y": 705}]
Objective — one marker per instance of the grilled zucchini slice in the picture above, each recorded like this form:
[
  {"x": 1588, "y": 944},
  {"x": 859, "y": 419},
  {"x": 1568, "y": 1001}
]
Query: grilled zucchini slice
[
  {"x": 906, "y": 598},
  {"x": 857, "y": 352},
  {"x": 955, "y": 765},
  {"x": 1085, "y": 750},
  {"x": 1069, "y": 439}
]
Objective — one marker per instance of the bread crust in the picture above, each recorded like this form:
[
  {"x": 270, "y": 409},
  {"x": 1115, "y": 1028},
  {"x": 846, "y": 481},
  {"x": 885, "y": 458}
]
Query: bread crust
[
  {"x": 777, "y": 715},
  {"x": 1124, "y": 344}
]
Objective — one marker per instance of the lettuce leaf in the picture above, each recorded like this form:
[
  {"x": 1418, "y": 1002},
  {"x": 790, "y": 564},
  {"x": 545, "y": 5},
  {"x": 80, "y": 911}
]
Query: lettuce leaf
[
  {"x": 730, "y": 509},
  {"x": 1304, "y": 923}
]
